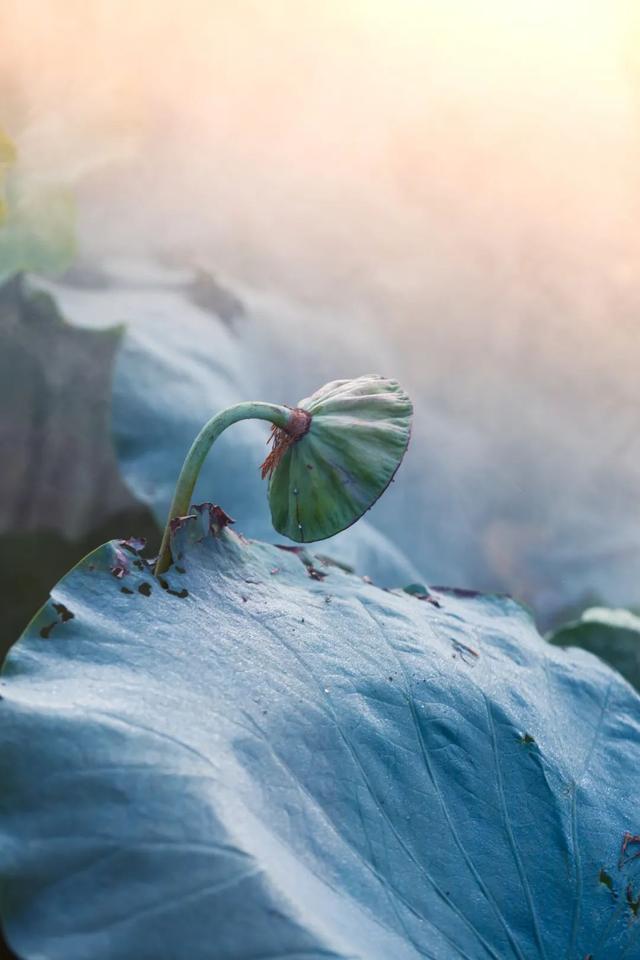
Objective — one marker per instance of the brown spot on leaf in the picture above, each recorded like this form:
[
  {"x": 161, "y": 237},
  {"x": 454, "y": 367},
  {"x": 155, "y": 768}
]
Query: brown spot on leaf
[
  {"x": 461, "y": 592},
  {"x": 179, "y": 522},
  {"x": 466, "y": 653},
  {"x": 628, "y": 840},
  {"x": 218, "y": 518},
  {"x": 120, "y": 567},
  {"x": 134, "y": 544}
]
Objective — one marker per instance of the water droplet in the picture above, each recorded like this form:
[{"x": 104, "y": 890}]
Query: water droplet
[{"x": 295, "y": 491}]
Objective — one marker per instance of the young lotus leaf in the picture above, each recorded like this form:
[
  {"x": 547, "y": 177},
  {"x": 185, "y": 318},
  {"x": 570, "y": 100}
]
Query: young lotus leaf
[
  {"x": 353, "y": 442},
  {"x": 613, "y": 635},
  {"x": 263, "y": 757}
]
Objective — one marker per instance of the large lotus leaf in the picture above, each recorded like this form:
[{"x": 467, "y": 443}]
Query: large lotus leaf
[
  {"x": 613, "y": 635},
  {"x": 353, "y": 445},
  {"x": 272, "y": 758}
]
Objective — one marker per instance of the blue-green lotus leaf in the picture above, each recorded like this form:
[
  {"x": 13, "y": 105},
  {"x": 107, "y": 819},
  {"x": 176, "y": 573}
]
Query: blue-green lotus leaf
[
  {"x": 272, "y": 758},
  {"x": 613, "y": 635},
  {"x": 353, "y": 442}
]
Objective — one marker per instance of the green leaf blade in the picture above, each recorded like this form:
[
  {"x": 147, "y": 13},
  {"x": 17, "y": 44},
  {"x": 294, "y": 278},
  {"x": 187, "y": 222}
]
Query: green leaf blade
[
  {"x": 329, "y": 478},
  {"x": 612, "y": 635}
]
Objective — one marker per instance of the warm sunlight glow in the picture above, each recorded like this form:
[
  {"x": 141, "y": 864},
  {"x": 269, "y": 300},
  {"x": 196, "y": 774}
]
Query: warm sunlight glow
[{"x": 390, "y": 113}]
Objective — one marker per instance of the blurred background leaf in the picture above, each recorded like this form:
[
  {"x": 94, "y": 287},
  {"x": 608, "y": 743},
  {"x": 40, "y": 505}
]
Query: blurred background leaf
[{"x": 613, "y": 635}]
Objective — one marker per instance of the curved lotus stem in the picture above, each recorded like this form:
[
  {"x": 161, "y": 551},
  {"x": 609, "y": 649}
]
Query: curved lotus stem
[{"x": 280, "y": 416}]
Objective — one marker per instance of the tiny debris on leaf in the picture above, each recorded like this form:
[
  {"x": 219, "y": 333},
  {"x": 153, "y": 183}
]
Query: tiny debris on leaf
[
  {"x": 606, "y": 880},
  {"x": 466, "y": 653},
  {"x": 628, "y": 840},
  {"x": 633, "y": 902},
  {"x": 134, "y": 544},
  {"x": 526, "y": 738}
]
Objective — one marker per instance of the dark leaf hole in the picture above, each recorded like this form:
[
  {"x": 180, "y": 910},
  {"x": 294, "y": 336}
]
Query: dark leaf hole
[
  {"x": 526, "y": 738},
  {"x": 605, "y": 880},
  {"x": 174, "y": 593},
  {"x": 64, "y": 614}
]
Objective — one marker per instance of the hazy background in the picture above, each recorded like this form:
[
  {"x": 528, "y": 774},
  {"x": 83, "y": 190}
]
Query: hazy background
[{"x": 450, "y": 189}]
